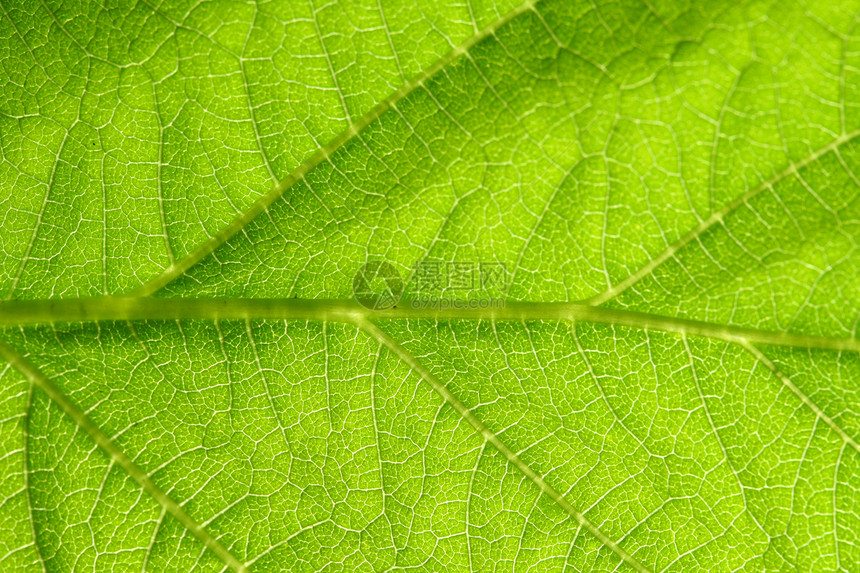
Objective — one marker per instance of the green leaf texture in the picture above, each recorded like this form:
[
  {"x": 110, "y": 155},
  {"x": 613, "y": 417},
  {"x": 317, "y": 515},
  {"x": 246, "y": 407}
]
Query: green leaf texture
[{"x": 189, "y": 187}]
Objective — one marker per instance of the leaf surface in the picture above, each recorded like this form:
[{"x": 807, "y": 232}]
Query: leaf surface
[{"x": 672, "y": 385}]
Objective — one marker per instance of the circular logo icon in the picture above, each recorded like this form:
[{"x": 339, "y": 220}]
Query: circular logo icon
[{"x": 377, "y": 285}]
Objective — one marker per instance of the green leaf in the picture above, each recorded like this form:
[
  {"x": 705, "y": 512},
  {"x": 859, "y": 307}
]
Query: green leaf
[{"x": 672, "y": 382}]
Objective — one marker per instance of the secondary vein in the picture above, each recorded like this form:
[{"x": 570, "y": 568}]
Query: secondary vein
[
  {"x": 40, "y": 380},
  {"x": 322, "y": 154},
  {"x": 489, "y": 436},
  {"x": 718, "y": 216}
]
